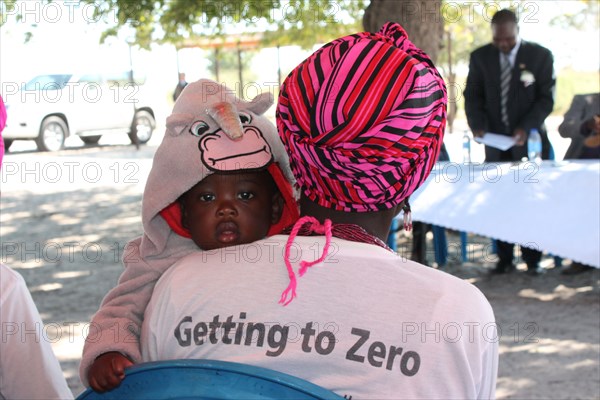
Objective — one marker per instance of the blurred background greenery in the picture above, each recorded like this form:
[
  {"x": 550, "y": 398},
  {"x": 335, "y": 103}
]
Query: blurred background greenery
[
  {"x": 571, "y": 82},
  {"x": 232, "y": 34}
]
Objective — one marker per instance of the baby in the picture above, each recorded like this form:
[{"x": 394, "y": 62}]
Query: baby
[{"x": 219, "y": 178}]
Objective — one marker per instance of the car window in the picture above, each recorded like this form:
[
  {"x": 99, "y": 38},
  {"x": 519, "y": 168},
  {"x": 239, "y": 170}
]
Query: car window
[
  {"x": 48, "y": 82},
  {"x": 119, "y": 79},
  {"x": 91, "y": 78},
  {"x": 123, "y": 78}
]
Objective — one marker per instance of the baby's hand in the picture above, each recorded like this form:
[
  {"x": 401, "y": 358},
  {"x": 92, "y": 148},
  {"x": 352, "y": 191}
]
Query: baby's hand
[{"x": 107, "y": 371}]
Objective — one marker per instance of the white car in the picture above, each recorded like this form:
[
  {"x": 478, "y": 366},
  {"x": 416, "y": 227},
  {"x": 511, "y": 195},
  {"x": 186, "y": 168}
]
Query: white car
[{"x": 49, "y": 108}]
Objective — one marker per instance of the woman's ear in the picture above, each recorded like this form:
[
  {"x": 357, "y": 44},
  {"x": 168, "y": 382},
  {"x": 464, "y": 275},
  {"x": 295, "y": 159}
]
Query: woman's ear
[
  {"x": 398, "y": 208},
  {"x": 277, "y": 205}
]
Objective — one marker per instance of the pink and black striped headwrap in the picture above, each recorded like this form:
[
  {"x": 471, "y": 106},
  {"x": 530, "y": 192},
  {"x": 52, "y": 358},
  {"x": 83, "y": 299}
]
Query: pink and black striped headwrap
[{"x": 363, "y": 120}]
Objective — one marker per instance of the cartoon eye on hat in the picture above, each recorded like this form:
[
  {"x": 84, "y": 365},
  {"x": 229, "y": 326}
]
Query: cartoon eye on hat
[
  {"x": 199, "y": 128},
  {"x": 245, "y": 118}
]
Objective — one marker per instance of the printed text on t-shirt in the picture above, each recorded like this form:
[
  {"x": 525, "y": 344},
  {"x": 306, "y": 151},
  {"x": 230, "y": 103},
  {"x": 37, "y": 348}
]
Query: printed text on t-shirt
[{"x": 363, "y": 348}]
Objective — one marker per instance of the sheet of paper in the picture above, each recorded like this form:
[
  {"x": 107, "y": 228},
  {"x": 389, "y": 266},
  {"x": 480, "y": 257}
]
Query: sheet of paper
[{"x": 496, "y": 140}]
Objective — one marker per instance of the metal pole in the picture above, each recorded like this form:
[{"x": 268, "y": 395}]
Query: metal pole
[
  {"x": 240, "y": 72},
  {"x": 278, "y": 66},
  {"x": 130, "y": 64},
  {"x": 217, "y": 64}
]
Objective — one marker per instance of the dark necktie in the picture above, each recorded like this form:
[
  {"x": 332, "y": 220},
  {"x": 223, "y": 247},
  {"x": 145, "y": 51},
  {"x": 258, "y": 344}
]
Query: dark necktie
[{"x": 505, "y": 75}]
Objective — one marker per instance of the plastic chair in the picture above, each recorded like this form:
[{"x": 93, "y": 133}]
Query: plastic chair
[
  {"x": 209, "y": 379},
  {"x": 463, "y": 246},
  {"x": 391, "y": 239},
  {"x": 440, "y": 245}
]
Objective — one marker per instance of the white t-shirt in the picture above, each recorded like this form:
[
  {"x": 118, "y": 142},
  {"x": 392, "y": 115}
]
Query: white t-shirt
[
  {"x": 28, "y": 367},
  {"x": 365, "y": 323}
]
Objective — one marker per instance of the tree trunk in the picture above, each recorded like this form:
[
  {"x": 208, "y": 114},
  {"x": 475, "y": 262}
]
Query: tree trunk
[
  {"x": 217, "y": 56},
  {"x": 240, "y": 71},
  {"x": 451, "y": 86},
  {"x": 422, "y": 20}
]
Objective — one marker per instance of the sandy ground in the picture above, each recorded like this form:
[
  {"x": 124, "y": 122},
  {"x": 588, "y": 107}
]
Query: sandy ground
[{"x": 66, "y": 236}]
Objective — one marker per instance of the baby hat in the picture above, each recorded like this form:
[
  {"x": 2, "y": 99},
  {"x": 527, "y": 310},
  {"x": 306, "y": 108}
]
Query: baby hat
[{"x": 211, "y": 130}]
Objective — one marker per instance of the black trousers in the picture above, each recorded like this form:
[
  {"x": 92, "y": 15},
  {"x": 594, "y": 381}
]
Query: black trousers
[
  {"x": 506, "y": 249},
  {"x": 419, "y": 244},
  {"x": 505, "y": 254}
]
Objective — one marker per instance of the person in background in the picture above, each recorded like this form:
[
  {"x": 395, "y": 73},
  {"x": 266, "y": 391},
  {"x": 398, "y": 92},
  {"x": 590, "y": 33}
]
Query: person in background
[
  {"x": 181, "y": 83},
  {"x": 591, "y": 145},
  {"x": 2, "y": 125},
  {"x": 28, "y": 367},
  {"x": 582, "y": 124},
  {"x": 510, "y": 91},
  {"x": 362, "y": 120},
  {"x": 579, "y": 122}
]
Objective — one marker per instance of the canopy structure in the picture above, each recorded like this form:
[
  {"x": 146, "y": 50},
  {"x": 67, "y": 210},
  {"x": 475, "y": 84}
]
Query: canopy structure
[{"x": 240, "y": 42}]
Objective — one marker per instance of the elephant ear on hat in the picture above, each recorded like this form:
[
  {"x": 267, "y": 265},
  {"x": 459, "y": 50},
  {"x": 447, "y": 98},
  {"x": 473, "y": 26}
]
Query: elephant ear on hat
[{"x": 261, "y": 103}]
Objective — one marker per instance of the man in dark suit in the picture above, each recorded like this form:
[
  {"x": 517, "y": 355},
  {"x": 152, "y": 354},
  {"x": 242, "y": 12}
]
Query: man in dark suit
[{"x": 510, "y": 91}]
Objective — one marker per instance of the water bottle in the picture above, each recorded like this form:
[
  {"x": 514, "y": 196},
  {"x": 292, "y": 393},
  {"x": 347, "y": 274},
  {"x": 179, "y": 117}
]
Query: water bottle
[
  {"x": 534, "y": 146},
  {"x": 466, "y": 145}
]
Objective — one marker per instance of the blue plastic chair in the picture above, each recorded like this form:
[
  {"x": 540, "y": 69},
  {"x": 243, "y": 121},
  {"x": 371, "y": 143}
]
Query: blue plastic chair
[
  {"x": 391, "y": 239},
  {"x": 209, "y": 379},
  {"x": 463, "y": 246},
  {"x": 440, "y": 245}
]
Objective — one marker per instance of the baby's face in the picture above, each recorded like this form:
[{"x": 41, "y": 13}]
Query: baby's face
[{"x": 230, "y": 209}]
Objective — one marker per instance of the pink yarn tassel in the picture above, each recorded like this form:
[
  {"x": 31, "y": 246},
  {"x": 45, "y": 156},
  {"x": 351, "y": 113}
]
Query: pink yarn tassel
[
  {"x": 290, "y": 292},
  {"x": 407, "y": 221}
]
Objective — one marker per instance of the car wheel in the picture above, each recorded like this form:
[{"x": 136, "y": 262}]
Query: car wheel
[
  {"x": 142, "y": 127},
  {"x": 52, "y": 134},
  {"x": 7, "y": 143},
  {"x": 90, "y": 139}
]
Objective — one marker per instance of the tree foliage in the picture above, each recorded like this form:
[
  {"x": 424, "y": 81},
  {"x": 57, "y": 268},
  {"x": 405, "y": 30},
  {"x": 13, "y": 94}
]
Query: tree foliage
[
  {"x": 6, "y": 10},
  {"x": 584, "y": 14},
  {"x": 300, "y": 22},
  {"x": 308, "y": 22}
]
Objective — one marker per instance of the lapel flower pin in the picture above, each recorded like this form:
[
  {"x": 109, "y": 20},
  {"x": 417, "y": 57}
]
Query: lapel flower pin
[{"x": 527, "y": 78}]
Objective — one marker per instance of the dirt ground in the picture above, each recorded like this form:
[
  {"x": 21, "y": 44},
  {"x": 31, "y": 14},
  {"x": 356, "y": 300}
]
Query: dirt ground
[{"x": 66, "y": 239}]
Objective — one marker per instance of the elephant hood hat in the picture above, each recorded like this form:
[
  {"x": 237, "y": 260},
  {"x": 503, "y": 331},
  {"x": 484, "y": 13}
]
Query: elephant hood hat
[{"x": 211, "y": 130}]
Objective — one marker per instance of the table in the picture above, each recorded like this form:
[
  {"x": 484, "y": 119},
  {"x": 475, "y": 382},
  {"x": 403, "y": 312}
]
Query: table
[{"x": 554, "y": 207}]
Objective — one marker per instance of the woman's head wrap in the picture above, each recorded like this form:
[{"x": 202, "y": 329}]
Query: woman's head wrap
[
  {"x": 2, "y": 125},
  {"x": 362, "y": 120}
]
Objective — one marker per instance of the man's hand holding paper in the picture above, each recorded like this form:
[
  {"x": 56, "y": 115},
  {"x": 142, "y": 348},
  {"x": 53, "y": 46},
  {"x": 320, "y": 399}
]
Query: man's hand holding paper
[{"x": 496, "y": 140}]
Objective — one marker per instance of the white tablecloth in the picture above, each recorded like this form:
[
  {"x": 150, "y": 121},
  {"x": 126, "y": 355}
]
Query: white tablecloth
[{"x": 554, "y": 207}]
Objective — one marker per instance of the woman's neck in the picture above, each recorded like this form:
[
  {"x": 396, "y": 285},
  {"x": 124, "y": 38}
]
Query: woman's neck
[{"x": 376, "y": 223}]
